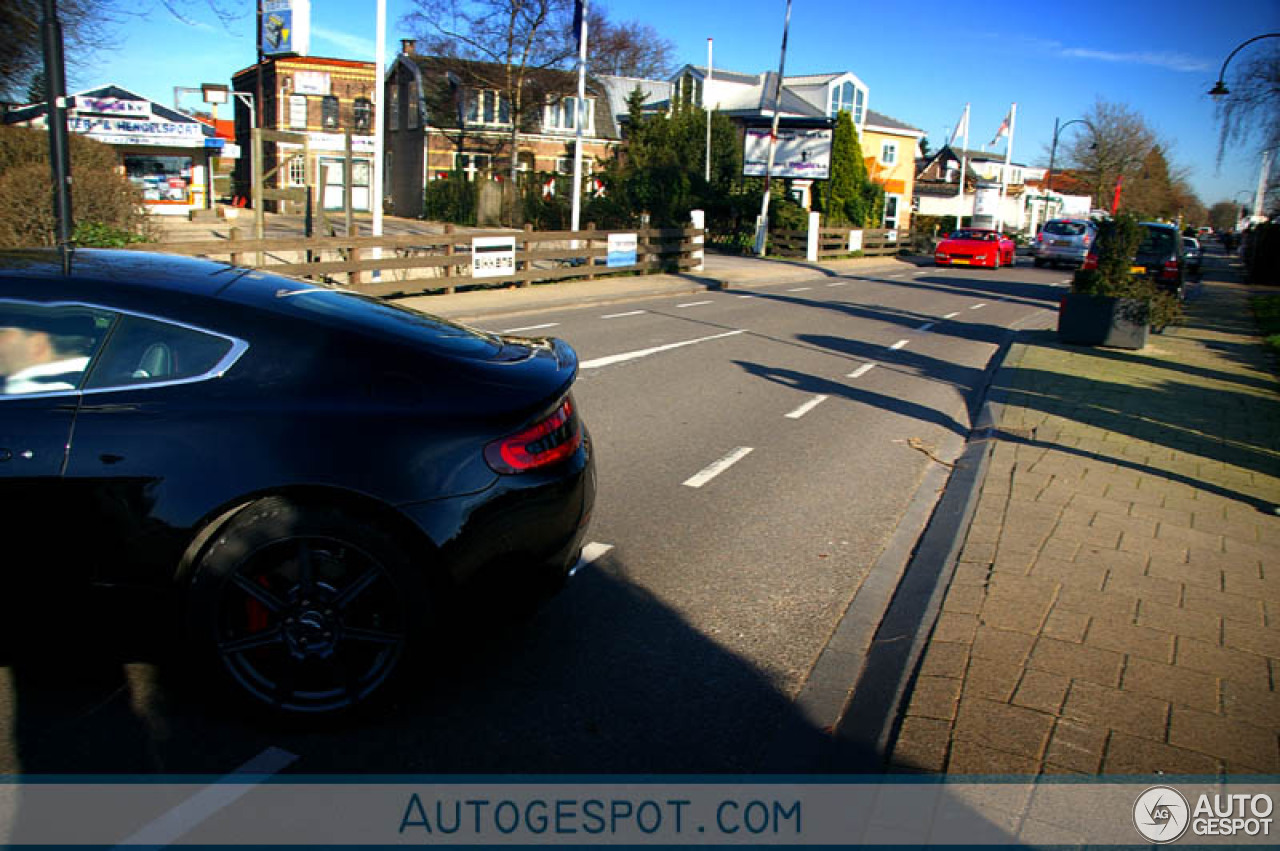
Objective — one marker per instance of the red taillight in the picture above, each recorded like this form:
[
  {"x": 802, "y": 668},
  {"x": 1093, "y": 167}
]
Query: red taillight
[
  {"x": 540, "y": 445},
  {"x": 1087, "y": 240},
  {"x": 1170, "y": 271}
]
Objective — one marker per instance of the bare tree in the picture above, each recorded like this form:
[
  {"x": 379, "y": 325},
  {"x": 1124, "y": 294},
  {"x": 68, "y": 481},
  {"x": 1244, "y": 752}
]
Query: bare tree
[
  {"x": 1118, "y": 145},
  {"x": 629, "y": 49},
  {"x": 1250, "y": 114},
  {"x": 87, "y": 29}
]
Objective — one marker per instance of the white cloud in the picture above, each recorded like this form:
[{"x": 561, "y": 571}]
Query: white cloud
[
  {"x": 350, "y": 46},
  {"x": 1171, "y": 61}
]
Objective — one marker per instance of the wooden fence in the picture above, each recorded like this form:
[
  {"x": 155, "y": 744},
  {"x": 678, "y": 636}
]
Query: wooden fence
[
  {"x": 421, "y": 263},
  {"x": 834, "y": 242}
]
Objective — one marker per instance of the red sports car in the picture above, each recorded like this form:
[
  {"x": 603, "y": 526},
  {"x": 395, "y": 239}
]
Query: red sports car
[{"x": 975, "y": 247}]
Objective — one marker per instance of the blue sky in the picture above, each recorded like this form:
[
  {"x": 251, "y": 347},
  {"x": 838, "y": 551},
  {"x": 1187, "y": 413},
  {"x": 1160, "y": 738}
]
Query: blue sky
[{"x": 922, "y": 60}]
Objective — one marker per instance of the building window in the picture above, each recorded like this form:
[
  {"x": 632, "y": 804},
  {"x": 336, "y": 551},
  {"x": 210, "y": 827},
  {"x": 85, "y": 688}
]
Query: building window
[
  {"x": 393, "y": 107},
  {"x": 329, "y": 112},
  {"x": 298, "y": 112},
  {"x": 297, "y": 170},
  {"x": 161, "y": 178},
  {"x": 889, "y": 153},
  {"x": 362, "y": 113},
  {"x": 488, "y": 107},
  {"x": 891, "y": 203},
  {"x": 859, "y": 103},
  {"x": 412, "y": 106},
  {"x": 563, "y": 115},
  {"x": 472, "y": 165},
  {"x": 564, "y": 165}
]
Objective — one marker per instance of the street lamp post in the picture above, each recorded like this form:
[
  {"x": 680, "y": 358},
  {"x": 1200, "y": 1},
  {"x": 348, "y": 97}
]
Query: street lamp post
[
  {"x": 1053, "y": 149},
  {"x": 1220, "y": 88}
]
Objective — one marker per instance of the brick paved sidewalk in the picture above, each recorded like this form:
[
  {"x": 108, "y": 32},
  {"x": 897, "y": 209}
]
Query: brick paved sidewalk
[{"x": 1116, "y": 607}]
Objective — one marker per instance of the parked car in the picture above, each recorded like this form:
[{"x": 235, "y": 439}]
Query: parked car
[
  {"x": 303, "y": 474},
  {"x": 975, "y": 247},
  {"x": 1193, "y": 253},
  {"x": 1159, "y": 257},
  {"x": 1204, "y": 231},
  {"x": 1063, "y": 241}
]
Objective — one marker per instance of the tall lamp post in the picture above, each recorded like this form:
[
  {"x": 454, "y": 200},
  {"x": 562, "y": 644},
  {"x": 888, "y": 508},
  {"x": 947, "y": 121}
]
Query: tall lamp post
[
  {"x": 1053, "y": 149},
  {"x": 1220, "y": 88}
]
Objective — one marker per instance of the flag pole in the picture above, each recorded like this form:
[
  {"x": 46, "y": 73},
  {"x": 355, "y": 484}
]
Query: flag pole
[
  {"x": 1008, "y": 159},
  {"x": 762, "y": 223},
  {"x": 963, "y": 167},
  {"x": 575, "y": 218},
  {"x": 706, "y": 97}
]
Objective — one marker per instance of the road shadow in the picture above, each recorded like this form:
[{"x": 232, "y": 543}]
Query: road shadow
[{"x": 604, "y": 678}]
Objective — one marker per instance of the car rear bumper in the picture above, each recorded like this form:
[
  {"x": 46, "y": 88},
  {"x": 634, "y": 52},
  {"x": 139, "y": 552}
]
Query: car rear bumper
[{"x": 529, "y": 522}]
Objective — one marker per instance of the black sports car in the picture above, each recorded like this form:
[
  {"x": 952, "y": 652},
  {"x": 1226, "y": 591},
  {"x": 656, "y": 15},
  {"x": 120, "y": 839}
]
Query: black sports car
[{"x": 303, "y": 473}]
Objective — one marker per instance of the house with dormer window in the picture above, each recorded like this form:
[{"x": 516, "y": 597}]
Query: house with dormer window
[
  {"x": 811, "y": 101},
  {"x": 448, "y": 116}
]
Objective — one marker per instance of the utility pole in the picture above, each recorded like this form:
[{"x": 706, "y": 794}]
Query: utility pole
[
  {"x": 56, "y": 116},
  {"x": 762, "y": 223}
]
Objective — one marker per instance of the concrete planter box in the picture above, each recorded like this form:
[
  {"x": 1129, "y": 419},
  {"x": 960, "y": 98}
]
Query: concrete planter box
[{"x": 1092, "y": 320}]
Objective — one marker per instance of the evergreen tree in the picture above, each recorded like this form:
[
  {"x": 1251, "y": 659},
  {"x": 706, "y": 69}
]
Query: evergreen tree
[{"x": 853, "y": 198}]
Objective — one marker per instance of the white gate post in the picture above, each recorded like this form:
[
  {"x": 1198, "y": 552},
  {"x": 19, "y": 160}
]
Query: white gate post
[
  {"x": 698, "y": 218},
  {"x": 815, "y": 230}
]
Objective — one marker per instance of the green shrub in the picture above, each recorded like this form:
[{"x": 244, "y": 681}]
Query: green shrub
[
  {"x": 454, "y": 199},
  {"x": 100, "y": 193},
  {"x": 1266, "y": 310},
  {"x": 101, "y": 235},
  {"x": 1118, "y": 241}
]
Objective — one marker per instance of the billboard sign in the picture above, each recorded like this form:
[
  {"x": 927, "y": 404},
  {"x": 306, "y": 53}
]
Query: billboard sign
[
  {"x": 285, "y": 27},
  {"x": 801, "y": 153}
]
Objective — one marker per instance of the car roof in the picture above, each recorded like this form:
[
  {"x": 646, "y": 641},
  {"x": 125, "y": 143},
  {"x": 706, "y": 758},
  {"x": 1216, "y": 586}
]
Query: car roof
[{"x": 148, "y": 272}]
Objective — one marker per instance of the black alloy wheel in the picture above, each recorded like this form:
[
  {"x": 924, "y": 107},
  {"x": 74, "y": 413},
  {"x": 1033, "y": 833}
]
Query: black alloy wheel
[{"x": 306, "y": 610}]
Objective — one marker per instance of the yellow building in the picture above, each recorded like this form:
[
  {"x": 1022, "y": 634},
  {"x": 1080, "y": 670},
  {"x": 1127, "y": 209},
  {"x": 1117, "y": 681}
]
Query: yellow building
[{"x": 889, "y": 148}]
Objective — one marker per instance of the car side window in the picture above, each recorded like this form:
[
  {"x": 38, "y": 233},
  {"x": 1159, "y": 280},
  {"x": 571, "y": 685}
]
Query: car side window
[
  {"x": 47, "y": 348},
  {"x": 146, "y": 351}
]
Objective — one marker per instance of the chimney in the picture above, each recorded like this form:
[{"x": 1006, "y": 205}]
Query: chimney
[{"x": 408, "y": 46}]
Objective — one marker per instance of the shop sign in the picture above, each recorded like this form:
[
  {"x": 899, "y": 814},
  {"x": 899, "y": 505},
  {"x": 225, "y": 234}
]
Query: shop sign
[
  {"x": 338, "y": 142},
  {"x": 286, "y": 27},
  {"x": 112, "y": 106},
  {"x": 123, "y": 131},
  {"x": 311, "y": 82}
]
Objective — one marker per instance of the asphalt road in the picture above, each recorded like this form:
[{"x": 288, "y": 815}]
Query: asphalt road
[{"x": 757, "y": 449}]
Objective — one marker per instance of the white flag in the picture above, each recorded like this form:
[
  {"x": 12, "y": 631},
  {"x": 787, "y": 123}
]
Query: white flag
[
  {"x": 1004, "y": 128},
  {"x": 962, "y": 128}
]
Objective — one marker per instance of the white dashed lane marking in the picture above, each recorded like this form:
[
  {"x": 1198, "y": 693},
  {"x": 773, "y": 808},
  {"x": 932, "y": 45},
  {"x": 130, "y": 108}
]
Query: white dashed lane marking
[
  {"x": 807, "y": 407},
  {"x": 529, "y": 328},
  {"x": 711, "y": 471},
  {"x": 590, "y": 554},
  {"x": 898, "y": 345},
  {"x": 621, "y": 315},
  {"x": 693, "y": 303},
  {"x": 861, "y": 371},
  {"x": 623, "y": 357}
]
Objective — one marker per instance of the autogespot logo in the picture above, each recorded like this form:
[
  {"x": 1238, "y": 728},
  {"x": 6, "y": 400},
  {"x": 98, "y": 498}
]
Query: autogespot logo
[{"x": 1161, "y": 814}]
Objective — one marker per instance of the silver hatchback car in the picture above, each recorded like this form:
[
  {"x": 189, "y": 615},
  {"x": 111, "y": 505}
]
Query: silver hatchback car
[{"x": 1063, "y": 241}]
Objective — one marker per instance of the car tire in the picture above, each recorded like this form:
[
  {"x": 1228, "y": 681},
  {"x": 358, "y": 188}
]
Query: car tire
[
  {"x": 1038, "y": 263},
  {"x": 306, "y": 610}
]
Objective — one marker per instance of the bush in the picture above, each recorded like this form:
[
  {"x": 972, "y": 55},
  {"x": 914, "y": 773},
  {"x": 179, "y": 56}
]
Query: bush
[
  {"x": 1262, "y": 253},
  {"x": 1118, "y": 241},
  {"x": 100, "y": 193},
  {"x": 454, "y": 199},
  {"x": 1266, "y": 310}
]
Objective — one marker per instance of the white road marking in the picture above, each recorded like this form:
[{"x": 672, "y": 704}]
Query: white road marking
[
  {"x": 620, "y": 315},
  {"x": 710, "y": 472},
  {"x": 951, "y": 316},
  {"x": 799, "y": 289},
  {"x": 188, "y": 815},
  {"x": 898, "y": 345},
  {"x": 610, "y": 360},
  {"x": 748, "y": 295},
  {"x": 590, "y": 554},
  {"x": 978, "y": 306},
  {"x": 529, "y": 328},
  {"x": 897, "y": 276},
  {"x": 861, "y": 371},
  {"x": 839, "y": 284},
  {"x": 928, "y": 326},
  {"x": 694, "y": 303},
  {"x": 807, "y": 407}
]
